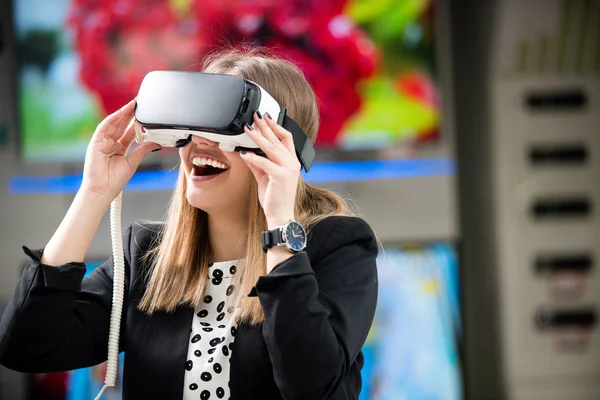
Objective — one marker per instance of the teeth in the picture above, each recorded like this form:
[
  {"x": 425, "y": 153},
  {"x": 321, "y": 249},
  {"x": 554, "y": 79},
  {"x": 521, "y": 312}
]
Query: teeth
[{"x": 204, "y": 161}]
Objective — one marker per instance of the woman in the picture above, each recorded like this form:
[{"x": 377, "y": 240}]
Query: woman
[{"x": 208, "y": 314}]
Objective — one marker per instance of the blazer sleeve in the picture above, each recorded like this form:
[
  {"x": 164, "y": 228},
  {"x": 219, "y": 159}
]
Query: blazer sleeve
[
  {"x": 317, "y": 317},
  {"x": 57, "y": 320}
]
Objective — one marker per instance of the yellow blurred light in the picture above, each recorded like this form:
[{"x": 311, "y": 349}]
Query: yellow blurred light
[
  {"x": 430, "y": 287},
  {"x": 181, "y": 7}
]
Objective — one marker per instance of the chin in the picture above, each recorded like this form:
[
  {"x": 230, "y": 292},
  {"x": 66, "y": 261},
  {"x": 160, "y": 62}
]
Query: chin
[{"x": 202, "y": 200}]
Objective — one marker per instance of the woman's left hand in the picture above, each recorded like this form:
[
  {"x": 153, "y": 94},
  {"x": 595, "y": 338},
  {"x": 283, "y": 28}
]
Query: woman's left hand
[{"x": 277, "y": 176}]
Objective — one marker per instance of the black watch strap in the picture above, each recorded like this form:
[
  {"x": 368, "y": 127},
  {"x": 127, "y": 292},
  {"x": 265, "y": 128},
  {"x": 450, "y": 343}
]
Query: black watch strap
[{"x": 271, "y": 239}]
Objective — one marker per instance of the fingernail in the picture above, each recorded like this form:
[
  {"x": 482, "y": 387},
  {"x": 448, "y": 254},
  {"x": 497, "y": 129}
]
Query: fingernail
[
  {"x": 249, "y": 127},
  {"x": 258, "y": 114},
  {"x": 268, "y": 115},
  {"x": 157, "y": 149},
  {"x": 243, "y": 152}
]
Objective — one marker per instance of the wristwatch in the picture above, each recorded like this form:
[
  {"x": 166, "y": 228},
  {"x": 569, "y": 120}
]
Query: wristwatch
[{"x": 291, "y": 235}]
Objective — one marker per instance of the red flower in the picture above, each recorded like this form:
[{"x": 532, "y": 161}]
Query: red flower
[{"x": 119, "y": 41}]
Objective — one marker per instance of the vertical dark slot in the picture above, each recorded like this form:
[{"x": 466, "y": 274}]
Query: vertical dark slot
[
  {"x": 245, "y": 106},
  {"x": 1, "y": 37}
]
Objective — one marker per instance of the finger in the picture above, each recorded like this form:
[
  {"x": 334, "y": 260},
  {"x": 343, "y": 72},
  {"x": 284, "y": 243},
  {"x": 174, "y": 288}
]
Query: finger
[
  {"x": 127, "y": 113},
  {"x": 267, "y": 132},
  {"x": 264, "y": 164},
  {"x": 282, "y": 134},
  {"x": 129, "y": 135},
  {"x": 264, "y": 128},
  {"x": 273, "y": 151},
  {"x": 258, "y": 173},
  {"x": 111, "y": 126},
  {"x": 137, "y": 156}
]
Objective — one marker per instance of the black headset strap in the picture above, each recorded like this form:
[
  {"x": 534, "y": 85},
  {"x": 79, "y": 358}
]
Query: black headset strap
[{"x": 304, "y": 148}]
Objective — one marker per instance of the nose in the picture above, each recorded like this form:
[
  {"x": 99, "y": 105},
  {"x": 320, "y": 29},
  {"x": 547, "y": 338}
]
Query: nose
[{"x": 199, "y": 140}]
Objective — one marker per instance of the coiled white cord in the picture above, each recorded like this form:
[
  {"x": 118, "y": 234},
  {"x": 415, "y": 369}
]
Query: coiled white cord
[{"x": 118, "y": 294}]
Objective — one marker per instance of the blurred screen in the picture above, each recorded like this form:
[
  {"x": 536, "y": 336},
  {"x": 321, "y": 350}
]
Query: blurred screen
[
  {"x": 371, "y": 63},
  {"x": 412, "y": 352}
]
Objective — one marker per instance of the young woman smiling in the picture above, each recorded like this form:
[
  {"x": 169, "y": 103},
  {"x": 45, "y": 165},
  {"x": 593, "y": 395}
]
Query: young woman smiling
[{"x": 208, "y": 312}]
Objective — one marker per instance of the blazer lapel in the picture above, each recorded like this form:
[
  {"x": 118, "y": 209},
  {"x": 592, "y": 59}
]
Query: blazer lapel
[{"x": 165, "y": 345}]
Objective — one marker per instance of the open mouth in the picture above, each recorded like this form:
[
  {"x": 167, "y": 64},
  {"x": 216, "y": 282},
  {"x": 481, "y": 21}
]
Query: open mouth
[{"x": 204, "y": 166}]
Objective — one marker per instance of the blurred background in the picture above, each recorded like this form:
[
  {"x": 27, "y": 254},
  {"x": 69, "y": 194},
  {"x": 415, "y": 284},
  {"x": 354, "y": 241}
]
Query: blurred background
[{"x": 463, "y": 130}]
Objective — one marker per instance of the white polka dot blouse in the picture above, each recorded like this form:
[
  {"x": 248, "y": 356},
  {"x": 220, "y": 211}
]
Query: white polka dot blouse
[{"x": 211, "y": 338}]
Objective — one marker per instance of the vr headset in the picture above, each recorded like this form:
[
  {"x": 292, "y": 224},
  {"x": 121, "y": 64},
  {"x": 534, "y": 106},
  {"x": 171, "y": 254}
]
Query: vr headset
[{"x": 172, "y": 106}]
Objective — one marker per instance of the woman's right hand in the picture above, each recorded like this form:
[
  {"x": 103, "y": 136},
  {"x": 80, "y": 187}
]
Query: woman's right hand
[{"x": 107, "y": 169}]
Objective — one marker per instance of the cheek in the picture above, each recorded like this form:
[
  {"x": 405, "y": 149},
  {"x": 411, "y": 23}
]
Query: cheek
[
  {"x": 184, "y": 155},
  {"x": 184, "y": 152},
  {"x": 238, "y": 166},
  {"x": 243, "y": 176}
]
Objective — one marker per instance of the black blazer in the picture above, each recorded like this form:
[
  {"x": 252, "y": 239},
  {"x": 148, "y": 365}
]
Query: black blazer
[{"x": 318, "y": 304}]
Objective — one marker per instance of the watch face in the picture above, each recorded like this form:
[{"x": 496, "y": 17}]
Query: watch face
[{"x": 295, "y": 236}]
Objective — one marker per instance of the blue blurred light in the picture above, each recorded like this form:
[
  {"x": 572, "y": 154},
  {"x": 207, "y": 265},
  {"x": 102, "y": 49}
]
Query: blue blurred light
[{"x": 320, "y": 172}]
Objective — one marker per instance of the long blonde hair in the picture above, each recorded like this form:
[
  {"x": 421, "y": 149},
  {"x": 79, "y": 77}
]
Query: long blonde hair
[{"x": 179, "y": 259}]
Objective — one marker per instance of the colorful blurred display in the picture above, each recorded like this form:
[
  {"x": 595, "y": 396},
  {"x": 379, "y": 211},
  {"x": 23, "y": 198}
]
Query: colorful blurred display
[
  {"x": 412, "y": 350},
  {"x": 371, "y": 62}
]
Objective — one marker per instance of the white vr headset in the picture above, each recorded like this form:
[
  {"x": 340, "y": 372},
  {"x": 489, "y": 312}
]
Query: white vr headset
[{"x": 173, "y": 105}]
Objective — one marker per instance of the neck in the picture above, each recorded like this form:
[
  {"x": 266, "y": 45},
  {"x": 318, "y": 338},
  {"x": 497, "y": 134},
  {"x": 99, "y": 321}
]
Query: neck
[{"x": 226, "y": 232}]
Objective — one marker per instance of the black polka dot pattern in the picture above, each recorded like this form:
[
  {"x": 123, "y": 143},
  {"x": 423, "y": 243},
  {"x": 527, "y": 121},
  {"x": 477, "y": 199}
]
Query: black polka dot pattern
[
  {"x": 206, "y": 376},
  {"x": 211, "y": 338}
]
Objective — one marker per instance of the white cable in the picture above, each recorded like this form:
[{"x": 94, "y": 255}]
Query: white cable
[{"x": 118, "y": 294}]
